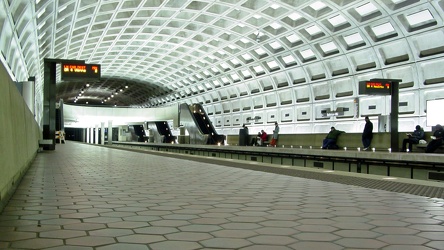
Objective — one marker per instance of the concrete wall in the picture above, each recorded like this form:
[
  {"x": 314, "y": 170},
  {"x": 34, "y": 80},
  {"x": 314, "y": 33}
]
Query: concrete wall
[
  {"x": 380, "y": 141},
  {"x": 19, "y": 135}
]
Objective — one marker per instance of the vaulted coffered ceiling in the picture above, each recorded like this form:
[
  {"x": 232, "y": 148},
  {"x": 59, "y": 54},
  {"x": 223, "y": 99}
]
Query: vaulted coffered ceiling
[{"x": 155, "y": 52}]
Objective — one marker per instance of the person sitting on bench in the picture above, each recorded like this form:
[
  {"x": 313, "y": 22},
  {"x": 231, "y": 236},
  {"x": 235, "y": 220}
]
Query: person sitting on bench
[
  {"x": 413, "y": 138},
  {"x": 263, "y": 137},
  {"x": 436, "y": 141},
  {"x": 256, "y": 140},
  {"x": 259, "y": 139},
  {"x": 330, "y": 140}
]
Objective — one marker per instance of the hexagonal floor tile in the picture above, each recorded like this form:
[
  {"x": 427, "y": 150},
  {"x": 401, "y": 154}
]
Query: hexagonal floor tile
[
  {"x": 91, "y": 241},
  {"x": 225, "y": 243},
  {"x": 182, "y": 245}
]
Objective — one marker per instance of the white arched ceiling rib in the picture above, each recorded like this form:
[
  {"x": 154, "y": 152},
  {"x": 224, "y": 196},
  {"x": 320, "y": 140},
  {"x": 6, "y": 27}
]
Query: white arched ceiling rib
[
  {"x": 165, "y": 43},
  {"x": 13, "y": 20},
  {"x": 119, "y": 40},
  {"x": 19, "y": 46},
  {"x": 360, "y": 64}
]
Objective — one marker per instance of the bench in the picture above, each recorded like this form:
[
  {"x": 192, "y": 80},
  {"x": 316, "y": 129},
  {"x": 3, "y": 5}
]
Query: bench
[
  {"x": 252, "y": 138},
  {"x": 381, "y": 141},
  {"x": 424, "y": 146},
  {"x": 45, "y": 143},
  {"x": 267, "y": 142}
]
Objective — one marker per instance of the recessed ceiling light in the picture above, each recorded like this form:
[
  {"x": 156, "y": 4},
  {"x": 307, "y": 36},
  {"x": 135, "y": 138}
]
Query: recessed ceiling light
[{"x": 318, "y": 5}]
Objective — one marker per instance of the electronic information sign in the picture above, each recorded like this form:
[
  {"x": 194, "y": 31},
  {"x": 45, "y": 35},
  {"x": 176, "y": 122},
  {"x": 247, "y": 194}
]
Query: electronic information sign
[
  {"x": 72, "y": 71},
  {"x": 374, "y": 87}
]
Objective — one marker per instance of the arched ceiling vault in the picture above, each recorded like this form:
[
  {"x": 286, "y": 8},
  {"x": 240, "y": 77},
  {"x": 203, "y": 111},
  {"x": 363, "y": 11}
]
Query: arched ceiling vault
[{"x": 153, "y": 52}]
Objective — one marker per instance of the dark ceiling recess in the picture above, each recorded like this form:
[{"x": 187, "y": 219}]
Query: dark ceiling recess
[{"x": 108, "y": 92}]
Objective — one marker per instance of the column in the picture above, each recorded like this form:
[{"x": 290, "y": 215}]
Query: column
[
  {"x": 87, "y": 135},
  {"x": 49, "y": 103},
  {"x": 110, "y": 132},
  {"x": 96, "y": 141},
  {"x": 102, "y": 133},
  {"x": 91, "y": 135}
]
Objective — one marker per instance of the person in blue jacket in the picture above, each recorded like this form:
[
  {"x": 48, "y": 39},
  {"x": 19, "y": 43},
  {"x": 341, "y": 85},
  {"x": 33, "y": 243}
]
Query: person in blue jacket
[{"x": 413, "y": 138}]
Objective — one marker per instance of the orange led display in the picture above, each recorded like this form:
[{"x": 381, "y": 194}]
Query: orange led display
[
  {"x": 377, "y": 85},
  {"x": 80, "y": 71},
  {"x": 95, "y": 68},
  {"x": 374, "y": 88},
  {"x": 74, "y": 68}
]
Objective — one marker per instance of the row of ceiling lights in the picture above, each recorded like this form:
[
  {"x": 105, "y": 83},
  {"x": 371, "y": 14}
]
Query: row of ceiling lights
[
  {"x": 113, "y": 94},
  {"x": 83, "y": 89}
]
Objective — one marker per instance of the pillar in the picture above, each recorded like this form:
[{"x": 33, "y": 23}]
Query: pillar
[
  {"x": 102, "y": 133},
  {"x": 91, "y": 135},
  {"x": 110, "y": 132},
  {"x": 96, "y": 135},
  {"x": 87, "y": 135},
  {"x": 49, "y": 103}
]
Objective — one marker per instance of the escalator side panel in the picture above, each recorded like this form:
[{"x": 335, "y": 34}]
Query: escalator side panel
[
  {"x": 187, "y": 120},
  {"x": 164, "y": 130},
  {"x": 199, "y": 126},
  {"x": 154, "y": 134}
]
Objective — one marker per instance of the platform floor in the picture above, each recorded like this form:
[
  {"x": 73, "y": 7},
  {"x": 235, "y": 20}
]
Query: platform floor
[{"x": 90, "y": 197}]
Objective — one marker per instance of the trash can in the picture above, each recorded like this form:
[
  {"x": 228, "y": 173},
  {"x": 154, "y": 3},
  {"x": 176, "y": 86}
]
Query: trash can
[{"x": 243, "y": 137}]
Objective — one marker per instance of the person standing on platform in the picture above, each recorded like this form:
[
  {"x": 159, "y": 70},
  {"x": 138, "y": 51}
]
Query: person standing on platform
[
  {"x": 330, "y": 140},
  {"x": 367, "y": 134},
  {"x": 436, "y": 141},
  {"x": 412, "y": 138},
  {"x": 246, "y": 134},
  {"x": 245, "y": 128},
  {"x": 275, "y": 135}
]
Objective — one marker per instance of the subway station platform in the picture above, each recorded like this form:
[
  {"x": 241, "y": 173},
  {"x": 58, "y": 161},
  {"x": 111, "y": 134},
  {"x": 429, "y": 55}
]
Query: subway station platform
[{"x": 92, "y": 197}]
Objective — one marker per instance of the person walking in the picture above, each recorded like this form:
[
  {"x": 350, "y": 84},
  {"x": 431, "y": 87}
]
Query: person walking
[
  {"x": 367, "y": 134},
  {"x": 275, "y": 135}
]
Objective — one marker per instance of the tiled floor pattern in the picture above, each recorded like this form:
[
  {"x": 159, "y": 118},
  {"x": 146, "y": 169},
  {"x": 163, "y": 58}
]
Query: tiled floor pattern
[
  {"x": 434, "y": 189},
  {"x": 87, "y": 197}
]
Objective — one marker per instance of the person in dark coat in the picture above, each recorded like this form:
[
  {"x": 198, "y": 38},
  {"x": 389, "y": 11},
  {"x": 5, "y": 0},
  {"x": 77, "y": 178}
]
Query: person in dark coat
[
  {"x": 330, "y": 140},
  {"x": 256, "y": 141},
  {"x": 367, "y": 134},
  {"x": 413, "y": 138},
  {"x": 246, "y": 133},
  {"x": 436, "y": 141}
]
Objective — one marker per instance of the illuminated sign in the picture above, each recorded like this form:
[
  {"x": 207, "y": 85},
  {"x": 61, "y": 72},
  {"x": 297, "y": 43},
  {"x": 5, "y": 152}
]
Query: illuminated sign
[
  {"x": 377, "y": 85},
  {"x": 374, "y": 88},
  {"x": 80, "y": 71}
]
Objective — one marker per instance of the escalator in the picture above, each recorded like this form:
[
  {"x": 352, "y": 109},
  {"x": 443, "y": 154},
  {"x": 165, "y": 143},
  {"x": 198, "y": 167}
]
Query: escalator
[
  {"x": 196, "y": 122},
  {"x": 137, "y": 133},
  {"x": 160, "y": 132}
]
